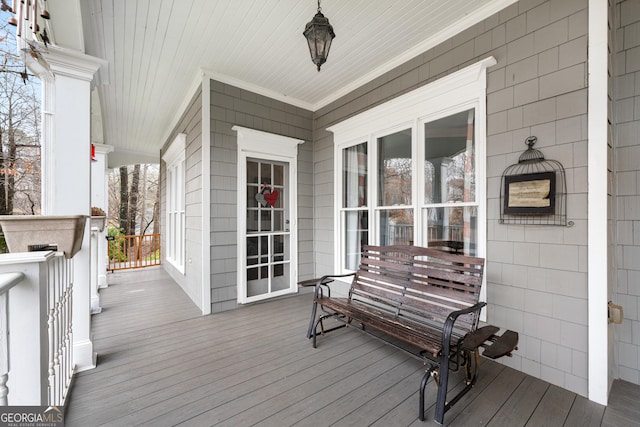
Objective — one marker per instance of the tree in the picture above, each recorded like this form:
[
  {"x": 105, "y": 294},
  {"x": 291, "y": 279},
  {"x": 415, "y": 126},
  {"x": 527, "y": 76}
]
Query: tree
[
  {"x": 134, "y": 198},
  {"x": 123, "y": 201},
  {"x": 19, "y": 132}
]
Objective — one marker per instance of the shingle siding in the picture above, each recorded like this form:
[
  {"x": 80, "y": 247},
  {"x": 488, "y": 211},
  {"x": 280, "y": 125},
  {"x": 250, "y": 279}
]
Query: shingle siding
[
  {"x": 232, "y": 106},
  {"x": 191, "y": 125},
  {"x": 626, "y": 185}
]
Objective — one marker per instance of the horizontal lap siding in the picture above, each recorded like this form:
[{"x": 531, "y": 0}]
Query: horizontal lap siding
[
  {"x": 536, "y": 276},
  {"x": 191, "y": 125},
  {"x": 626, "y": 99},
  {"x": 231, "y": 106}
]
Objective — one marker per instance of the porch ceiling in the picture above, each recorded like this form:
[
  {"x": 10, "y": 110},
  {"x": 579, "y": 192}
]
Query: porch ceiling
[{"x": 157, "y": 51}]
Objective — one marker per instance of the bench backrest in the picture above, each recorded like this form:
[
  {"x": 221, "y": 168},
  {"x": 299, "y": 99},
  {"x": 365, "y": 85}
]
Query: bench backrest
[{"x": 422, "y": 284}]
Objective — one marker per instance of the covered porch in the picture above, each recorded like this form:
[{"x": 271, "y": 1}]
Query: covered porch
[
  {"x": 553, "y": 75},
  {"x": 254, "y": 366}
]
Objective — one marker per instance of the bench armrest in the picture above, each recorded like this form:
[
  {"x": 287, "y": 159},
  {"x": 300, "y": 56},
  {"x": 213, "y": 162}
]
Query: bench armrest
[
  {"x": 322, "y": 282},
  {"x": 451, "y": 319}
]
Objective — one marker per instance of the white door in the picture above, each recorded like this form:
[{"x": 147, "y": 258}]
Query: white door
[
  {"x": 267, "y": 268},
  {"x": 267, "y": 234}
]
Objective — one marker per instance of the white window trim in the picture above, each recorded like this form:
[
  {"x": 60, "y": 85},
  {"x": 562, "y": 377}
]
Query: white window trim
[
  {"x": 456, "y": 92},
  {"x": 175, "y": 158},
  {"x": 263, "y": 145}
]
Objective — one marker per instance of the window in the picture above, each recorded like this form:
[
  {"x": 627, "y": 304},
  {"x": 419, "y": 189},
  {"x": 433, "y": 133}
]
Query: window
[
  {"x": 175, "y": 187},
  {"x": 411, "y": 171},
  {"x": 354, "y": 212},
  {"x": 450, "y": 206}
]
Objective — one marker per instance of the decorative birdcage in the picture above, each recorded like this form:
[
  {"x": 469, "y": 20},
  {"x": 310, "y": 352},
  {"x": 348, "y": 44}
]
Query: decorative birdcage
[{"x": 534, "y": 191}]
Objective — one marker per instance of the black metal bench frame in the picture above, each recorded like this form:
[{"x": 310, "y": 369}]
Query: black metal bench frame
[{"x": 422, "y": 301}]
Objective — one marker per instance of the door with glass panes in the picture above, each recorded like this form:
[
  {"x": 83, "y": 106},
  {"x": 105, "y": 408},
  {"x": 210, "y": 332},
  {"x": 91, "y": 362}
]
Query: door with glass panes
[{"x": 267, "y": 269}]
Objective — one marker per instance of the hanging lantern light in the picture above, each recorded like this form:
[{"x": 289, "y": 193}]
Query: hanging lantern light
[{"x": 319, "y": 34}]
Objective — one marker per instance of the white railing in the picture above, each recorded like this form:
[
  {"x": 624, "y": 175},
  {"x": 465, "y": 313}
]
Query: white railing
[{"x": 36, "y": 361}]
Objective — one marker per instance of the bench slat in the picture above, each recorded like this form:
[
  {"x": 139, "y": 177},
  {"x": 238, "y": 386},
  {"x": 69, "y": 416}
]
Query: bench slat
[{"x": 428, "y": 338}]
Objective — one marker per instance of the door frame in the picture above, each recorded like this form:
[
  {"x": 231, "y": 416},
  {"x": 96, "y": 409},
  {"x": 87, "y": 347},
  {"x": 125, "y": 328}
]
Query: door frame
[{"x": 268, "y": 146}]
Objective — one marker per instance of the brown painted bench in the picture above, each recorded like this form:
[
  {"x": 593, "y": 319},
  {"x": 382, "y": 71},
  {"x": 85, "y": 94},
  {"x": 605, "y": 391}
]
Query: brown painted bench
[{"x": 422, "y": 301}]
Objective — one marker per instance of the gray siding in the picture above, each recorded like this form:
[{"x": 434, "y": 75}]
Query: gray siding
[
  {"x": 627, "y": 184},
  {"x": 191, "y": 125},
  {"x": 536, "y": 275},
  {"x": 233, "y": 106}
]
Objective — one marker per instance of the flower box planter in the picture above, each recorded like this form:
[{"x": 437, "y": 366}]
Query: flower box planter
[
  {"x": 25, "y": 233},
  {"x": 98, "y": 222}
]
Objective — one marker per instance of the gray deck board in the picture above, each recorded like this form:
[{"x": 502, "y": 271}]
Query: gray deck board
[
  {"x": 585, "y": 413},
  {"x": 520, "y": 405},
  {"x": 160, "y": 363},
  {"x": 553, "y": 408}
]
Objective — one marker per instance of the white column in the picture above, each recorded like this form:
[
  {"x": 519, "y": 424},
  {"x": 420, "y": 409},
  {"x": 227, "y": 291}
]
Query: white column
[
  {"x": 599, "y": 328},
  {"x": 66, "y": 171},
  {"x": 100, "y": 199},
  {"x": 95, "y": 296}
]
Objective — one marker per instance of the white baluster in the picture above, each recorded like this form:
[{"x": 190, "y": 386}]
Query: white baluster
[{"x": 51, "y": 306}]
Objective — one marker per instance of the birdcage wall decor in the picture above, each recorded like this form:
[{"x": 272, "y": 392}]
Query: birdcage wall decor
[{"x": 534, "y": 190}]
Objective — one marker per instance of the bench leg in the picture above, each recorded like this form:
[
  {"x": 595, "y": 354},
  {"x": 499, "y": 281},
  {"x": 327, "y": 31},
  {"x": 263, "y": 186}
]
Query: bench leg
[
  {"x": 423, "y": 386},
  {"x": 441, "y": 401},
  {"x": 471, "y": 374},
  {"x": 313, "y": 319}
]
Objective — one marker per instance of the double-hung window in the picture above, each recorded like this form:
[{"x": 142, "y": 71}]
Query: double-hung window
[
  {"x": 412, "y": 171},
  {"x": 174, "y": 158}
]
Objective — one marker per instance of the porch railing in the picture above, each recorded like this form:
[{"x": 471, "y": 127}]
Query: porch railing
[
  {"x": 36, "y": 339},
  {"x": 126, "y": 252}
]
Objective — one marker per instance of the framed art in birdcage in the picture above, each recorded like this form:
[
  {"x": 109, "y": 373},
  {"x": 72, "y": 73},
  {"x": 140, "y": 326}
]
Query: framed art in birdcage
[{"x": 531, "y": 193}]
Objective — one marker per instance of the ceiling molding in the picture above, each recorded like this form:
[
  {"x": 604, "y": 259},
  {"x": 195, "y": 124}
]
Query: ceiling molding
[
  {"x": 159, "y": 57},
  {"x": 258, "y": 89},
  {"x": 467, "y": 21}
]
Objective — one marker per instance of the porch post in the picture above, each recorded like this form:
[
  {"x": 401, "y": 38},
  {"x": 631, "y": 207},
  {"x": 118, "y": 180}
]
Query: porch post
[
  {"x": 100, "y": 199},
  {"x": 66, "y": 174},
  {"x": 600, "y": 360}
]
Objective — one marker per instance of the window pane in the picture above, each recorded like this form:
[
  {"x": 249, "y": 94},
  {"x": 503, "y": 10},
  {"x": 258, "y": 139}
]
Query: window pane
[
  {"x": 252, "y": 191},
  {"x": 278, "y": 220},
  {"x": 252, "y": 172},
  {"x": 280, "y": 248},
  {"x": 354, "y": 176},
  {"x": 252, "y": 246},
  {"x": 281, "y": 277},
  {"x": 396, "y": 227},
  {"x": 356, "y": 234},
  {"x": 450, "y": 159},
  {"x": 252, "y": 221},
  {"x": 453, "y": 229},
  {"x": 265, "y": 173},
  {"x": 278, "y": 175},
  {"x": 394, "y": 169},
  {"x": 265, "y": 220},
  {"x": 278, "y": 195}
]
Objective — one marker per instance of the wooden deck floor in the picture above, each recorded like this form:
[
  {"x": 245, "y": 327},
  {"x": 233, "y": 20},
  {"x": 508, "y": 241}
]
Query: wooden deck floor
[{"x": 162, "y": 364}]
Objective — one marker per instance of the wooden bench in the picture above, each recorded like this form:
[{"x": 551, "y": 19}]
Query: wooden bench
[{"x": 422, "y": 301}]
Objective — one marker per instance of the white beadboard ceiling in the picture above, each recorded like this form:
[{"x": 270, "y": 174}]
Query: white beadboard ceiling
[{"x": 157, "y": 51}]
